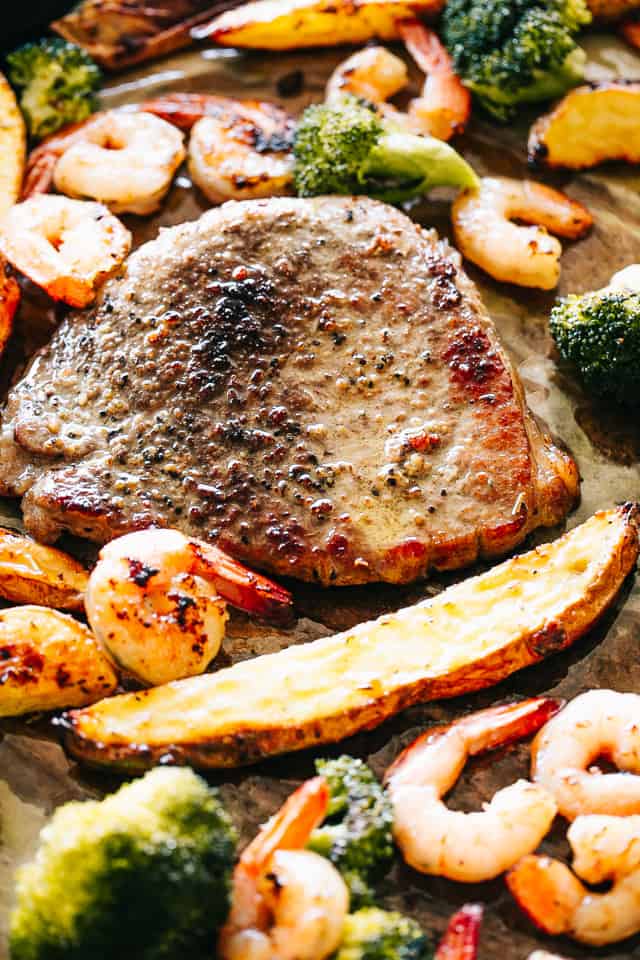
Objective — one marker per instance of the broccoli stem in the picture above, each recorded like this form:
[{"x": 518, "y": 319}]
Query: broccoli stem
[{"x": 403, "y": 165}]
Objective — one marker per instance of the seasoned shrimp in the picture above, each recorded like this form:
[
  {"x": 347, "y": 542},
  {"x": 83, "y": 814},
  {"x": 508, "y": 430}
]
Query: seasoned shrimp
[
  {"x": 41, "y": 162},
  {"x": 600, "y": 723},
  {"x": 376, "y": 75},
  {"x": 156, "y": 599},
  {"x": 125, "y": 160},
  {"x": 529, "y": 256},
  {"x": 242, "y": 151},
  {"x": 287, "y": 903},
  {"x": 67, "y": 247},
  {"x": 444, "y": 106},
  {"x": 468, "y": 847},
  {"x": 605, "y": 848}
]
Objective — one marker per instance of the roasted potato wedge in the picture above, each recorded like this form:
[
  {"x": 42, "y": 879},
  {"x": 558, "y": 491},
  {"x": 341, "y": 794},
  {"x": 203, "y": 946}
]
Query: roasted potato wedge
[
  {"x": 468, "y": 637},
  {"x": 33, "y": 573},
  {"x": 13, "y": 145},
  {"x": 291, "y": 24},
  {"x": 591, "y": 124},
  {"x": 48, "y": 661}
]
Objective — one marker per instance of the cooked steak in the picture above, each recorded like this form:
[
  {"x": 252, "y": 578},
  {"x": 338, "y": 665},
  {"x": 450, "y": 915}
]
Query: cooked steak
[{"x": 312, "y": 384}]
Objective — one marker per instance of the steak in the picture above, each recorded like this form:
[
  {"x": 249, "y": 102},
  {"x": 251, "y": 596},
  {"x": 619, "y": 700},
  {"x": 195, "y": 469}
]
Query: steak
[{"x": 314, "y": 385}]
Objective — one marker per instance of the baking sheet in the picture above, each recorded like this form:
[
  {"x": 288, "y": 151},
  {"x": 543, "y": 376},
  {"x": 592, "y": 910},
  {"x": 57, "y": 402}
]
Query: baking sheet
[{"x": 36, "y": 776}]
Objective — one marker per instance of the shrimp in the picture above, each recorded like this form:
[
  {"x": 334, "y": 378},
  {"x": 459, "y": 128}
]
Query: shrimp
[
  {"x": 67, "y": 247},
  {"x": 9, "y": 300},
  {"x": 460, "y": 940},
  {"x": 287, "y": 903},
  {"x": 125, "y": 160},
  {"x": 444, "y": 106},
  {"x": 376, "y": 75},
  {"x": 604, "y": 848},
  {"x": 595, "y": 724},
  {"x": 527, "y": 256},
  {"x": 156, "y": 600},
  {"x": 468, "y": 847},
  {"x": 242, "y": 151},
  {"x": 41, "y": 162}
]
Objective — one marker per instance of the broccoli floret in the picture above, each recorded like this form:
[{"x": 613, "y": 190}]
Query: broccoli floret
[
  {"x": 145, "y": 873},
  {"x": 348, "y": 148},
  {"x": 356, "y": 835},
  {"x": 373, "y": 934},
  {"x": 600, "y": 333},
  {"x": 510, "y": 52},
  {"x": 57, "y": 83}
]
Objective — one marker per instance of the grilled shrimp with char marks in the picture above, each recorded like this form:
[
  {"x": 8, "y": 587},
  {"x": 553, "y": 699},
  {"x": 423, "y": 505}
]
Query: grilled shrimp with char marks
[
  {"x": 605, "y": 848},
  {"x": 287, "y": 902},
  {"x": 526, "y": 255},
  {"x": 156, "y": 599},
  {"x": 468, "y": 847},
  {"x": 600, "y": 723},
  {"x": 67, "y": 247},
  {"x": 375, "y": 74}
]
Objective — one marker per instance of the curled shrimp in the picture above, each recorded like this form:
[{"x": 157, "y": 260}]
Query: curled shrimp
[
  {"x": 287, "y": 903},
  {"x": 525, "y": 255},
  {"x": 444, "y": 106},
  {"x": 238, "y": 150},
  {"x": 125, "y": 160},
  {"x": 41, "y": 162},
  {"x": 468, "y": 847},
  {"x": 242, "y": 151},
  {"x": 600, "y": 723},
  {"x": 604, "y": 848},
  {"x": 67, "y": 247},
  {"x": 156, "y": 600},
  {"x": 376, "y": 75}
]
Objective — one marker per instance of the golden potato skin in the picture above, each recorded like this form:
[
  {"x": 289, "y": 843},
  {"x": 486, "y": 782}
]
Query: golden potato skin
[
  {"x": 49, "y": 661},
  {"x": 33, "y": 573},
  {"x": 592, "y": 124},
  {"x": 293, "y": 24},
  {"x": 471, "y": 636},
  {"x": 13, "y": 144}
]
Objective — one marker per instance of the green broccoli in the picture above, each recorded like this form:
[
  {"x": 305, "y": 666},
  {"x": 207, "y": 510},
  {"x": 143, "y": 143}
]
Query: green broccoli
[
  {"x": 145, "y": 873},
  {"x": 373, "y": 934},
  {"x": 57, "y": 83},
  {"x": 347, "y": 147},
  {"x": 356, "y": 835},
  {"x": 600, "y": 333},
  {"x": 510, "y": 52}
]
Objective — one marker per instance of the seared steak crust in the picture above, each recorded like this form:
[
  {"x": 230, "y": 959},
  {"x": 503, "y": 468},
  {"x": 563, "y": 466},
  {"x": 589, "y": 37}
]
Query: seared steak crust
[{"x": 312, "y": 384}]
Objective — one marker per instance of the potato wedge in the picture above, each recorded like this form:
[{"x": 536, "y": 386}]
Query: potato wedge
[
  {"x": 468, "y": 637},
  {"x": 48, "y": 661},
  {"x": 291, "y": 24},
  {"x": 591, "y": 124},
  {"x": 13, "y": 145},
  {"x": 33, "y": 573}
]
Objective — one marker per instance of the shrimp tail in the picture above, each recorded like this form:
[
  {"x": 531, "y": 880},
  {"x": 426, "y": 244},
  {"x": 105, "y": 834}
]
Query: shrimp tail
[
  {"x": 183, "y": 110},
  {"x": 460, "y": 940},
  {"x": 487, "y": 729},
  {"x": 445, "y": 104},
  {"x": 291, "y": 827},
  {"x": 242, "y": 587},
  {"x": 547, "y": 891}
]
